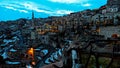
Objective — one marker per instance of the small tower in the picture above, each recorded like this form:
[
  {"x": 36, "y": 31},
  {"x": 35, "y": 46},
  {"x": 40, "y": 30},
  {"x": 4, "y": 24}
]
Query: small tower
[
  {"x": 33, "y": 23},
  {"x": 33, "y": 31}
]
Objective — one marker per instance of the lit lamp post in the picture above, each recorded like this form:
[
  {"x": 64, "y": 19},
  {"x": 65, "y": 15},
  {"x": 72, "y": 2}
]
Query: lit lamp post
[{"x": 31, "y": 54}]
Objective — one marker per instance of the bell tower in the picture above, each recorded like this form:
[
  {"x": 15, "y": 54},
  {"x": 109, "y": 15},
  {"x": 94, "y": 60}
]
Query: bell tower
[{"x": 33, "y": 22}]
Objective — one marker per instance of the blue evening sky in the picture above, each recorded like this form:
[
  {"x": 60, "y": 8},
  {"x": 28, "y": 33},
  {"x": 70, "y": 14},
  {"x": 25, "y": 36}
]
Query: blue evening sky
[{"x": 15, "y": 9}]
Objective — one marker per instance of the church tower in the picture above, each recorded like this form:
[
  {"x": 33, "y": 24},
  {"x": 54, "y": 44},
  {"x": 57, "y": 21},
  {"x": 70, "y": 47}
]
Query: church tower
[
  {"x": 33, "y": 31},
  {"x": 33, "y": 22}
]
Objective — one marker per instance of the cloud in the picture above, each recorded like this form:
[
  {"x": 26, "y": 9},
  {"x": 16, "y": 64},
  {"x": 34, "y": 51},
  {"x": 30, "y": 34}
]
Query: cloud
[
  {"x": 23, "y": 11},
  {"x": 28, "y": 6},
  {"x": 13, "y": 6},
  {"x": 86, "y": 5},
  {"x": 61, "y": 12},
  {"x": 69, "y": 1},
  {"x": 34, "y": 7},
  {"x": 15, "y": 9},
  {"x": 9, "y": 7},
  {"x": 24, "y": 6}
]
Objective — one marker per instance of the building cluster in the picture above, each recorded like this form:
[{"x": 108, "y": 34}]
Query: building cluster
[{"x": 17, "y": 37}]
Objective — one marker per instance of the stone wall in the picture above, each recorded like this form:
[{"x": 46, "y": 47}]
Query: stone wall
[
  {"x": 113, "y": 2},
  {"x": 109, "y": 30}
]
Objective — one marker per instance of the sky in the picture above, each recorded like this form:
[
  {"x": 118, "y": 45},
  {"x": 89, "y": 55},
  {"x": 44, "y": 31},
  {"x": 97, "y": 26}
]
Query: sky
[{"x": 15, "y": 9}]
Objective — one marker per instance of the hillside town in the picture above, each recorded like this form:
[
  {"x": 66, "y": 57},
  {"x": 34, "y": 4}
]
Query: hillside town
[{"x": 62, "y": 41}]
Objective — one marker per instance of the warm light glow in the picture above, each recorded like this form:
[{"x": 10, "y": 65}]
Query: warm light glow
[
  {"x": 98, "y": 30},
  {"x": 33, "y": 63},
  {"x": 115, "y": 36},
  {"x": 31, "y": 52}
]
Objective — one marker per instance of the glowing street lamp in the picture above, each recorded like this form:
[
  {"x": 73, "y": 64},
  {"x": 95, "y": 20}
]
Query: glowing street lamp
[{"x": 31, "y": 53}]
